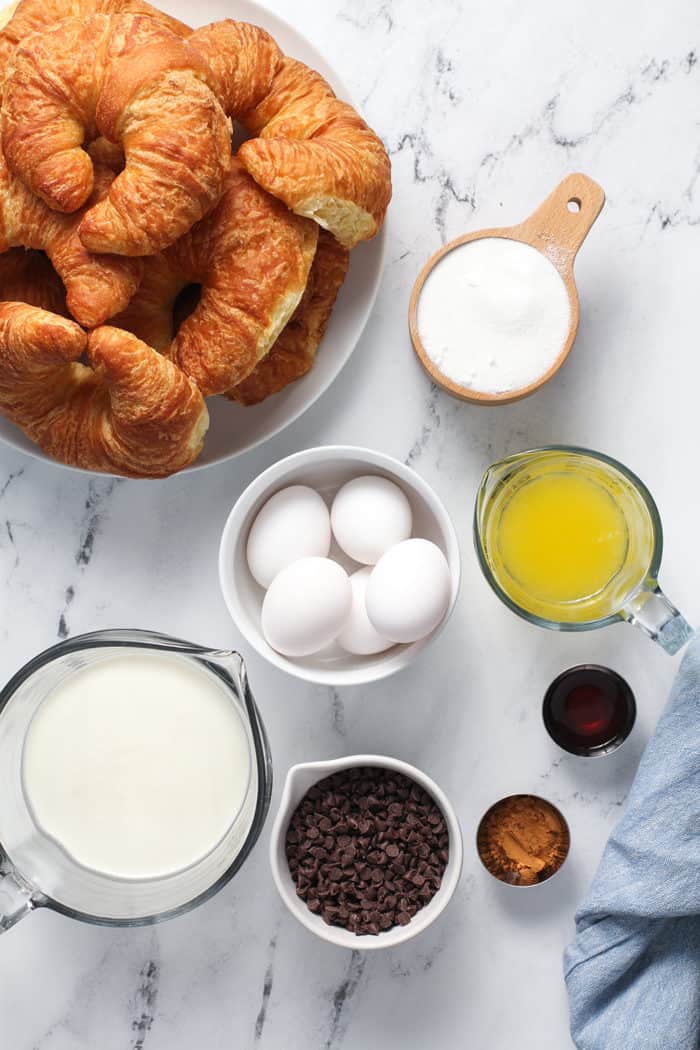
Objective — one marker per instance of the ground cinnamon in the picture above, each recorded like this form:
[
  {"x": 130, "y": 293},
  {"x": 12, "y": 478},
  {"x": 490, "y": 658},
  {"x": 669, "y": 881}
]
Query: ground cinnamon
[{"x": 523, "y": 840}]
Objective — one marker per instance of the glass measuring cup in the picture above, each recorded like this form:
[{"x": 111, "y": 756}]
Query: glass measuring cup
[
  {"x": 545, "y": 588},
  {"x": 36, "y": 872}
]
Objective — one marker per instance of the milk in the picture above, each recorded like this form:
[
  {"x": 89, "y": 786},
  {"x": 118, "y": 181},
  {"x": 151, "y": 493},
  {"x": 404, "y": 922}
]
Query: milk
[{"x": 136, "y": 765}]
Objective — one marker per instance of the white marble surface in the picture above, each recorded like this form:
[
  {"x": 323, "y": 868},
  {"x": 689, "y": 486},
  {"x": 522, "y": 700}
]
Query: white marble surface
[{"x": 484, "y": 107}]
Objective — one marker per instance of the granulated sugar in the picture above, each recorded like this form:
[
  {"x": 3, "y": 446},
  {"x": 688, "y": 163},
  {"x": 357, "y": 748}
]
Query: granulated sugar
[{"x": 494, "y": 315}]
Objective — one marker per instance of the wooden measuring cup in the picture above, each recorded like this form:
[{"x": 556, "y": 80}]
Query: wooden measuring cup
[{"x": 557, "y": 228}]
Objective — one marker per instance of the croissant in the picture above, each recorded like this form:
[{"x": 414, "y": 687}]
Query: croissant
[
  {"x": 32, "y": 16},
  {"x": 252, "y": 258},
  {"x": 132, "y": 413},
  {"x": 106, "y": 154},
  {"x": 243, "y": 59},
  {"x": 97, "y": 286},
  {"x": 29, "y": 277},
  {"x": 128, "y": 78},
  {"x": 317, "y": 155},
  {"x": 293, "y": 354}
]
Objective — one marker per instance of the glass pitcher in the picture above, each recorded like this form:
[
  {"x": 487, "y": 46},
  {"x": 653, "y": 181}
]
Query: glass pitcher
[
  {"x": 35, "y": 872},
  {"x": 571, "y": 540}
]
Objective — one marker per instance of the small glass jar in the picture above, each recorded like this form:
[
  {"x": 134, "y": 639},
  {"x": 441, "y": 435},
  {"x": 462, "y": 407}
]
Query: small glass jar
[{"x": 589, "y": 710}]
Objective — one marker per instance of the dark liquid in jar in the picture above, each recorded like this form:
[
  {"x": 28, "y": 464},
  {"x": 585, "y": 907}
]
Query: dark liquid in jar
[{"x": 589, "y": 710}]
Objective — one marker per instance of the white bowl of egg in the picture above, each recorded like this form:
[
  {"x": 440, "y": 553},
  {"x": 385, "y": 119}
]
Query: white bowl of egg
[{"x": 339, "y": 564}]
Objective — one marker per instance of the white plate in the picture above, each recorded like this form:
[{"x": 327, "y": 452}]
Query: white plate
[{"x": 234, "y": 429}]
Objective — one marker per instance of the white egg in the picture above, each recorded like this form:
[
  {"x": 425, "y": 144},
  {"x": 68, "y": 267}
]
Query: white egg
[
  {"x": 306, "y": 606},
  {"x": 368, "y": 516},
  {"x": 293, "y": 524},
  {"x": 358, "y": 635},
  {"x": 408, "y": 593}
]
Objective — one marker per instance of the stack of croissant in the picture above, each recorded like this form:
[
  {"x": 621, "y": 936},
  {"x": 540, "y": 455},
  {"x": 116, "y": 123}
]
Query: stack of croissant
[{"x": 145, "y": 265}]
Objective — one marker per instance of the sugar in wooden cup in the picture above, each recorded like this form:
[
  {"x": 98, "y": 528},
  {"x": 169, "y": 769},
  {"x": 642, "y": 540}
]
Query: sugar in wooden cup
[{"x": 556, "y": 230}]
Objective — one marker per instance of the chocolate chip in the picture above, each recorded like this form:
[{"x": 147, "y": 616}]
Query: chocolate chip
[{"x": 366, "y": 849}]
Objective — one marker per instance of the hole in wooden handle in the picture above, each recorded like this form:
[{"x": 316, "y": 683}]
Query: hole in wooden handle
[{"x": 574, "y": 204}]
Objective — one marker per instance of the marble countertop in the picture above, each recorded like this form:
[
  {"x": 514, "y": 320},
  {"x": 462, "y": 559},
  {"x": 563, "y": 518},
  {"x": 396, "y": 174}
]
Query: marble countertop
[{"x": 484, "y": 107}]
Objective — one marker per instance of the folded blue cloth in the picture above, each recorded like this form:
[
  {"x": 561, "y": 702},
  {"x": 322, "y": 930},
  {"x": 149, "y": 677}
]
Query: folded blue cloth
[{"x": 633, "y": 971}]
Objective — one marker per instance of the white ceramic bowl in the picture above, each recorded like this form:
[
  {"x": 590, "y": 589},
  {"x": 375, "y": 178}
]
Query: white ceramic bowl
[
  {"x": 299, "y": 779},
  {"x": 326, "y": 469},
  {"x": 234, "y": 429}
]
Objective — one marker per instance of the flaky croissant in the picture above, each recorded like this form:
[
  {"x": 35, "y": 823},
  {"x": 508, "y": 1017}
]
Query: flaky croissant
[
  {"x": 292, "y": 356},
  {"x": 32, "y": 16},
  {"x": 128, "y": 78},
  {"x": 28, "y": 277},
  {"x": 252, "y": 258},
  {"x": 131, "y": 413},
  {"x": 97, "y": 286},
  {"x": 244, "y": 60},
  {"x": 317, "y": 155}
]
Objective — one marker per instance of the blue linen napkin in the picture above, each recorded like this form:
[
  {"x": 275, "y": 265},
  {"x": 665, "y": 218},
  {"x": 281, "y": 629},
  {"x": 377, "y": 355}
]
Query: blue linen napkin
[{"x": 633, "y": 970}]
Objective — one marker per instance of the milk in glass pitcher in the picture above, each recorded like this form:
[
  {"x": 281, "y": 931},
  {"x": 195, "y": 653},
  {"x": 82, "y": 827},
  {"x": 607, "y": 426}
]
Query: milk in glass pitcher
[{"x": 135, "y": 778}]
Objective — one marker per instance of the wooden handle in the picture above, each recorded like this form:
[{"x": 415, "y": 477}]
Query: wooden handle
[{"x": 559, "y": 226}]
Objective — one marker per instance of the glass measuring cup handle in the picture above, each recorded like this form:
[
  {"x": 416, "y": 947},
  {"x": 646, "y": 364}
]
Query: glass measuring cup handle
[
  {"x": 658, "y": 617},
  {"x": 16, "y": 896}
]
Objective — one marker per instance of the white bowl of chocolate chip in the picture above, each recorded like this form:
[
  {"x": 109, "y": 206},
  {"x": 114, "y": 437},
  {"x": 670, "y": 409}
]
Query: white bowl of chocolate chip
[{"x": 366, "y": 851}]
